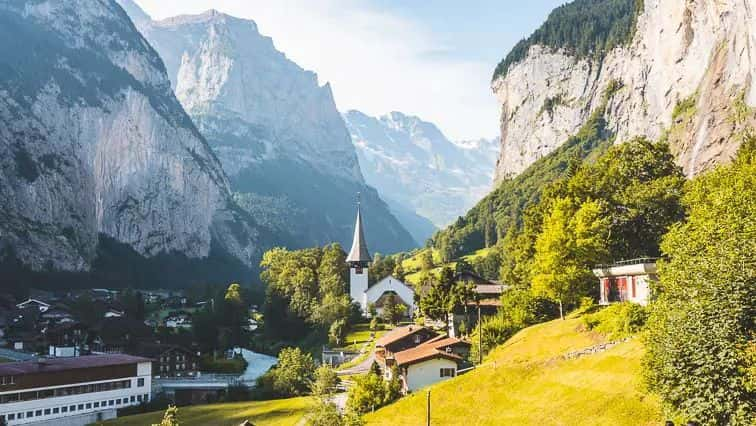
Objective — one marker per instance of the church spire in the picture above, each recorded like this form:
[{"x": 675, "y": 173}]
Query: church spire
[{"x": 359, "y": 252}]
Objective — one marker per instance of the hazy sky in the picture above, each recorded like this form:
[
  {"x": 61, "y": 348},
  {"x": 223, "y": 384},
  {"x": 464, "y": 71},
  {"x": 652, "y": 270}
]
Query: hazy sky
[{"x": 430, "y": 58}]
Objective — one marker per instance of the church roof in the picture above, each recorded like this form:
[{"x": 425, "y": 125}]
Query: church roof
[{"x": 359, "y": 251}]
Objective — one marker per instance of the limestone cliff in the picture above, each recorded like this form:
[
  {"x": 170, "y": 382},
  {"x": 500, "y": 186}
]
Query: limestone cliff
[
  {"x": 685, "y": 73},
  {"x": 94, "y": 145},
  {"x": 274, "y": 128}
]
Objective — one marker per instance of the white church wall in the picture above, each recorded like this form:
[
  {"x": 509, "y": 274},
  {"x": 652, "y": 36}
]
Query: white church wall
[{"x": 388, "y": 284}]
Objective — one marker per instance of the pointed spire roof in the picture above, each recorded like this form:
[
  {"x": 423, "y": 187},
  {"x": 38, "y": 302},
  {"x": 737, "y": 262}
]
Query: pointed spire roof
[{"x": 359, "y": 251}]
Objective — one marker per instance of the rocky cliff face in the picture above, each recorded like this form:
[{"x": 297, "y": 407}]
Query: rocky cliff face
[
  {"x": 423, "y": 170},
  {"x": 686, "y": 74},
  {"x": 276, "y": 131},
  {"x": 94, "y": 145}
]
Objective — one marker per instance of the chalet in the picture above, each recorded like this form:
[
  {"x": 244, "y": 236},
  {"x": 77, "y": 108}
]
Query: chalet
[
  {"x": 72, "y": 391},
  {"x": 627, "y": 280},
  {"x": 169, "y": 360},
  {"x": 179, "y": 319},
  {"x": 40, "y": 305},
  {"x": 420, "y": 355},
  {"x": 402, "y": 338}
]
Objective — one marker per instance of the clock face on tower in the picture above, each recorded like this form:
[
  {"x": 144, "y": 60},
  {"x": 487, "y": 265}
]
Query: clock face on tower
[{"x": 358, "y": 270}]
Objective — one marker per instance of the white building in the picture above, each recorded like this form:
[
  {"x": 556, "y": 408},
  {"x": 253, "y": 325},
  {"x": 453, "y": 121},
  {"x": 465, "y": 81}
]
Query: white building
[
  {"x": 42, "y": 306},
  {"x": 359, "y": 265},
  {"x": 626, "y": 281},
  {"x": 72, "y": 391}
]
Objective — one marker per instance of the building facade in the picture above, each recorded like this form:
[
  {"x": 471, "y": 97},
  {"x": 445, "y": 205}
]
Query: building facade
[
  {"x": 72, "y": 391},
  {"x": 626, "y": 281}
]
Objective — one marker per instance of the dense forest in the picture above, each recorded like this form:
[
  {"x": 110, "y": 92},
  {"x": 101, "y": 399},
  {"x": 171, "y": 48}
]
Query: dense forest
[{"x": 585, "y": 28}]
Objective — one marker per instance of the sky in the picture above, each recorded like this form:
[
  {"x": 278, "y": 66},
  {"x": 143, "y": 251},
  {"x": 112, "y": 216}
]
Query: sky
[{"x": 429, "y": 58}]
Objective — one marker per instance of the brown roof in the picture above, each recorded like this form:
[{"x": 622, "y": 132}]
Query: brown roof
[
  {"x": 397, "y": 334},
  {"x": 422, "y": 353},
  {"x": 443, "y": 341},
  {"x": 63, "y": 364}
]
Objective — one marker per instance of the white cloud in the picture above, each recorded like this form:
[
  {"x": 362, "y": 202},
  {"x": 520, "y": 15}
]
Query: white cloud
[{"x": 375, "y": 61}]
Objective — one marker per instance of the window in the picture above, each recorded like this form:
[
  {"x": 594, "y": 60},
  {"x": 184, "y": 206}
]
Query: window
[
  {"x": 97, "y": 404},
  {"x": 20, "y": 415},
  {"x": 111, "y": 402},
  {"x": 81, "y": 406},
  {"x": 72, "y": 408},
  {"x": 38, "y": 413},
  {"x": 140, "y": 382},
  {"x": 139, "y": 398},
  {"x": 56, "y": 410},
  {"x": 133, "y": 398},
  {"x": 29, "y": 414},
  {"x": 47, "y": 411},
  {"x": 12, "y": 416},
  {"x": 63, "y": 409},
  {"x": 89, "y": 405},
  {"x": 447, "y": 372},
  {"x": 146, "y": 397}
]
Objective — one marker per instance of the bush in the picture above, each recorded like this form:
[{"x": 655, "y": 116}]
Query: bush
[
  {"x": 375, "y": 324},
  {"x": 292, "y": 376},
  {"x": 371, "y": 392},
  {"x": 618, "y": 321}
]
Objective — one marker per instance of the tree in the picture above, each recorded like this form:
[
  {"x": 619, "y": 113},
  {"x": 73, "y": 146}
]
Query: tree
[
  {"x": 324, "y": 385},
  {"x": 700, "y": 355},
  {"x": 294, "y": 372},
  {"x": 393, "y": 311},
  {"x": 336, "y": 332},
  {"x": 462, "y": 265},
  {"x": 426, "y": 260},
  {"x": 170, "y": 418},
  {"x": 572, "y": 241},
  {"x": 371, "y": 391}
]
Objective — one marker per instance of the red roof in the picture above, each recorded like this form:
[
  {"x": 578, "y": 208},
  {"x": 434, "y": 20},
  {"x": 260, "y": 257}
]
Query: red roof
[
  {"x": 398, "y": 334},
  {"x": 63, "y": 364},
  {"x": 422, "y": 353}
]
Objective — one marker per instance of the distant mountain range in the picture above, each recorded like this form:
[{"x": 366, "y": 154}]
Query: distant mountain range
[{"x": 420, "y": 169}]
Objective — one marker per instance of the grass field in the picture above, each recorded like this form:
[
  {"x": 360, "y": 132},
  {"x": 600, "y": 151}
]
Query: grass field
[
  {"x": 359, "y": 335},
  {"x": 526, "y": 381},
  {"x": 281, "y": 412}
]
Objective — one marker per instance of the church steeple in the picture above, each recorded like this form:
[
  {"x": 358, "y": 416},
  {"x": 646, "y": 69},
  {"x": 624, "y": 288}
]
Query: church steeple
[{"x": 359, "y": 253}]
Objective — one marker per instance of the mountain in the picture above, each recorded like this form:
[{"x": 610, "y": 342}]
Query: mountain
[
  {"x": 421, "y": 168},
  {"x": 601, "y": 72},
  {"x": 275, "y": 130},
  {"x": 102, "y": 174},
  {"x": 685, "y": 70}
]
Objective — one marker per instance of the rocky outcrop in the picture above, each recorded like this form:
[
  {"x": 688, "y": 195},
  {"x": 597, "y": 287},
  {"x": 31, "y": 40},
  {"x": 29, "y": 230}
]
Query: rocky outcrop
[
  {"x": 276, "y": 131},
  {"x": 94, "y": 144},
  {"x": 422, "y": 169},
  {"x": 700, "y": 55}
]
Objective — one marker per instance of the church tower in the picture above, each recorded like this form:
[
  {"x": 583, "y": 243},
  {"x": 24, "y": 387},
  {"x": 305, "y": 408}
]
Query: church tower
[{"x": 358, "y": 261}]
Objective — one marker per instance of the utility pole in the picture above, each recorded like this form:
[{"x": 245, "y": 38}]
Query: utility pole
[
  {"x": 429, "y": 409},
  {"x": 480, "y": 338}
]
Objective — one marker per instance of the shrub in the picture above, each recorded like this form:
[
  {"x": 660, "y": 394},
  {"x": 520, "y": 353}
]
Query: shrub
[{"x": 618, "y": 321}]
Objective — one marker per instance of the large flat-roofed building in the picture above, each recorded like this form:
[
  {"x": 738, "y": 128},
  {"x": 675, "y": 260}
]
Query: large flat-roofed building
[{"x": 72, "y": 391}]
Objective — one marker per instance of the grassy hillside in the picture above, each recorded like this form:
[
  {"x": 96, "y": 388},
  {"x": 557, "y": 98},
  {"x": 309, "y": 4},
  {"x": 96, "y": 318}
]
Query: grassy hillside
[
  {"x": 527, "y": 381},
  {"x": 280, "y": 412}
]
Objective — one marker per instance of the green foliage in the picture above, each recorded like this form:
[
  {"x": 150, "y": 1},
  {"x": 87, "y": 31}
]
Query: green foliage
[
  {"x": 306, "y": 289},
  {"x": 170, "y": 418},
  {"x": 504, "y": 208},
  {"x": 292, "y": 376},
  {"x": 520, "y": 308},
  {"x": 393, "y": 312},
  {"x": 336, "y": 332},
  {"x": 573, "y": 238},
  {"x": 584, "y": 28},
  {"x": 235, "y": 365},
  {"x": 326, "y": 380},
  {"x": 327, "y": 414},
  {"x": 700, "y": 344},
  {"x": 426, "y": 260},
  {"x": 374, "y": 323},
  {"x": 685, "y": 107},
  {"x": 550, "y": 103},
  {"x": 617, "y": 321},
  {"x": 371, "y": 392}
]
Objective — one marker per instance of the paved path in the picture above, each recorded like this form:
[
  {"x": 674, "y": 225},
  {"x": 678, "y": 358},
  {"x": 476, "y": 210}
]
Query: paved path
[{"x": 361, "y": 368}]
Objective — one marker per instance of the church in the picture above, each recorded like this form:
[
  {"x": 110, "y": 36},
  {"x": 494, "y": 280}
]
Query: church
[{"x": 359, "y": 266}]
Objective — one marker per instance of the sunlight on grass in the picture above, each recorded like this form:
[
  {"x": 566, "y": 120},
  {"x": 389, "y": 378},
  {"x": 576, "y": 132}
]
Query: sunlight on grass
[
  {"x": 281, "y": 412},
  {"x": 526, "y": 381}
]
